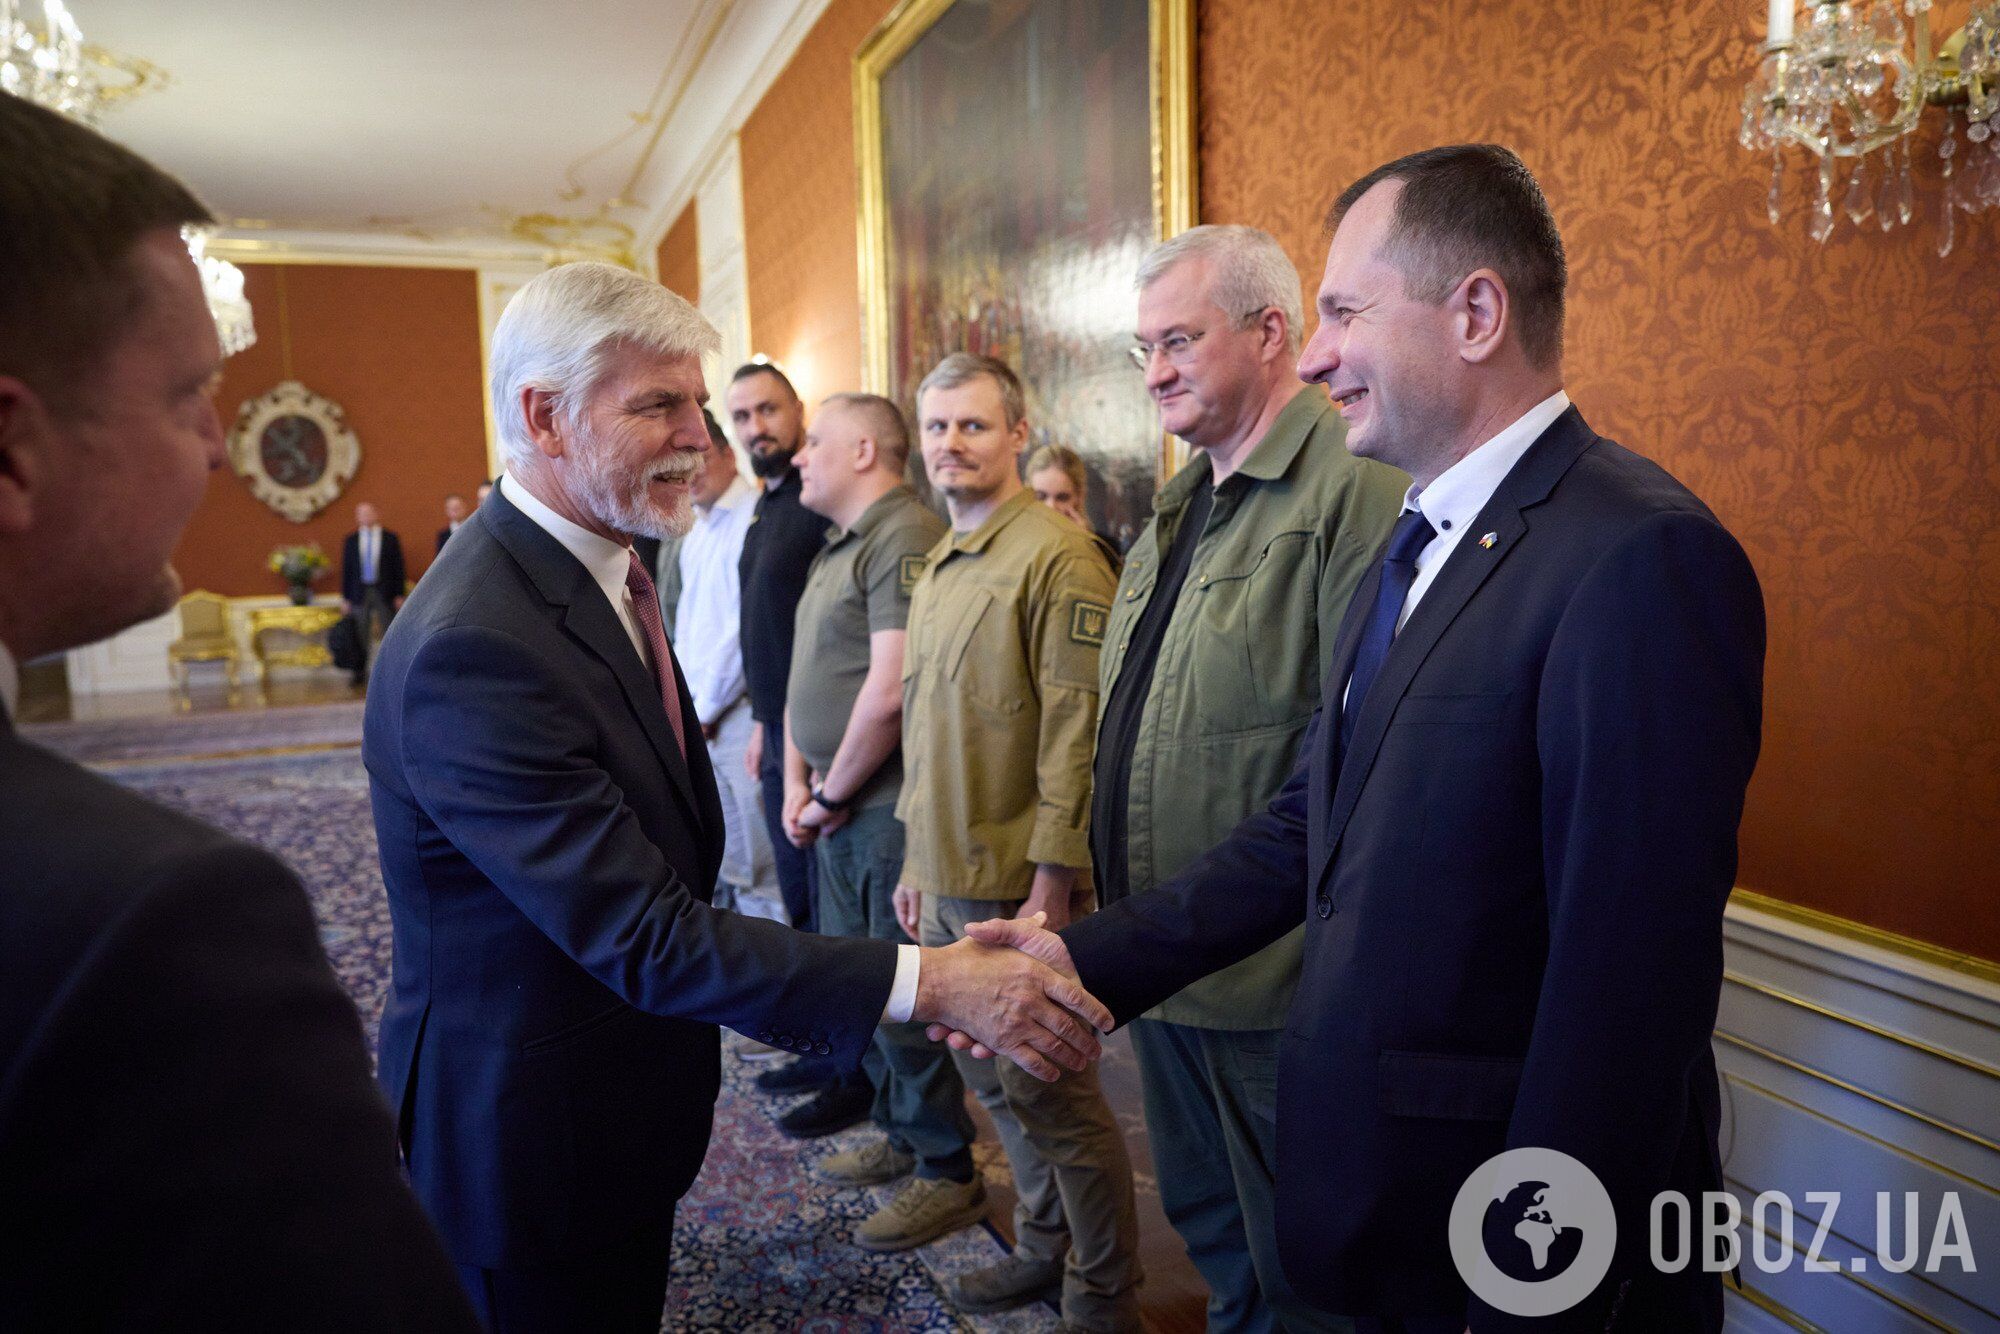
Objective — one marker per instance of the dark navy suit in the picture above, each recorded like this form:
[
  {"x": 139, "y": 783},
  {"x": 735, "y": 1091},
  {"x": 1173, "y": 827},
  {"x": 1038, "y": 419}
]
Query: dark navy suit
[
  {"x": 548, "y": 1039},
  {"x": 1512, "y": 888}
]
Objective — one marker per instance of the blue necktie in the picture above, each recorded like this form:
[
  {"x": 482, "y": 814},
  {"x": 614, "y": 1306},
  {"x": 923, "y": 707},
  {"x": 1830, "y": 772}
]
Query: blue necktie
[
  {"x": 1412, "y": 533},
  {"x": 367, "y": 558}
]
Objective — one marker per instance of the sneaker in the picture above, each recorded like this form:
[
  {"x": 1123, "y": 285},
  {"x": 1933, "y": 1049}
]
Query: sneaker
[
  {"x": 830, "y": 1111},
  {"x": 922, "y": 1211},
  {"x": 870, "y": 1165},
  {"x": 807, "y": 1075},
  {"x": 1011, "y": 1283}
]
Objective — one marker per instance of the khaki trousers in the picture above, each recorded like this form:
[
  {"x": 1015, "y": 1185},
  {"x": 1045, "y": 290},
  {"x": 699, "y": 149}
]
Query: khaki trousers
[{"x": 1071, "y": 1170}]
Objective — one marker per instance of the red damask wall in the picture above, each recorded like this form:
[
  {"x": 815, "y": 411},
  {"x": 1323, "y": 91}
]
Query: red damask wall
[
  {"x": 798, "y": 208},
  {"x": 679, "y": 257},
  {"x": 1838, "y": 405},
  {"x": 398, "y": 349}
]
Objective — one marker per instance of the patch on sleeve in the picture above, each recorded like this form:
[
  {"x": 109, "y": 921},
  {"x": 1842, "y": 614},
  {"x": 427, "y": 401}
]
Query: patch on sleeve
[
  {"x": 1086, "y": 623},
  {"x": 908, "y": 570}
]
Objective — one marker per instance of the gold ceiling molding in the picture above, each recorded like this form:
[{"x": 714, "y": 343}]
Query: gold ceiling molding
[{"x": 570, "y": 239}]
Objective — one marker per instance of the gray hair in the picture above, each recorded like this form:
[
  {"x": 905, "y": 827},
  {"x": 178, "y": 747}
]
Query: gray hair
[
  {"x": 961, "y": 368},
  {"x": 1249, "y": 272},
  {"x": 558, "y": 332}
]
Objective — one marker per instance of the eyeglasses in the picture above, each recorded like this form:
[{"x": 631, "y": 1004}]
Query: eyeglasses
[{"x": 1177, "y": 347}]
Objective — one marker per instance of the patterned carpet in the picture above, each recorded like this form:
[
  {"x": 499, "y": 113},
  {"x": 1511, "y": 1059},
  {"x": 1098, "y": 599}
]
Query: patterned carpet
[{"x": 760, "y": 1244}]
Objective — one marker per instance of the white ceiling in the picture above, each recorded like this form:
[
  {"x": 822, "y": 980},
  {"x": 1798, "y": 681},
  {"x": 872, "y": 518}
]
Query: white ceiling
[{"x": 443, "y": 120}]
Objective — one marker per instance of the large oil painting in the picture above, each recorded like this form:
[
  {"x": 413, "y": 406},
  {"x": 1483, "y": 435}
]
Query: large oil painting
[{"x": 1017, "y": 159}]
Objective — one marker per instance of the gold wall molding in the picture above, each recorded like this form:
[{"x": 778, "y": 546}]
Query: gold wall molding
[{"x": 1971, "y": 965}]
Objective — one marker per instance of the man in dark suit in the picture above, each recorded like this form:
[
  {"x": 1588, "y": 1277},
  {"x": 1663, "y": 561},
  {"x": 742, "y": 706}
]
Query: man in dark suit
[
  {"x": 1512, "y": 829},
  {"x": 371, "y": 579},
  {"x": 550, "y": 835},
  {"x": 454, "y": 518},
  {"x": 189, "y": 1135}
]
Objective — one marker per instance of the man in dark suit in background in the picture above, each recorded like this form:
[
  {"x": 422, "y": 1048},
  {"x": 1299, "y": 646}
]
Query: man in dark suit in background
[
  {"x": 371, "y": 580},
  {"x": 550, "y": 835},
  {"x": 189, "y": 1136},
  {"x": 454, "y": 517},
  {"x": 1512, "y": 829}
]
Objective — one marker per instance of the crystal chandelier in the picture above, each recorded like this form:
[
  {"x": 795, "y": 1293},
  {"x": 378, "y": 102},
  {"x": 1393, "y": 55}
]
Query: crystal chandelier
[
  {"x": 51, "y": 65},
  {"x": 1854, "y": 85}
]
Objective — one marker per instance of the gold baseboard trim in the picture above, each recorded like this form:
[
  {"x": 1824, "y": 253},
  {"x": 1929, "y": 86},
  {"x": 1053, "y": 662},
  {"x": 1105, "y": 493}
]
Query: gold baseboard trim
[{"x": 1986, "y": 970}]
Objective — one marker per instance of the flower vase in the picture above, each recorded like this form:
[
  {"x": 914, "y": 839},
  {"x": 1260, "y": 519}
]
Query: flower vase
[{"x": 301, "y": 594}]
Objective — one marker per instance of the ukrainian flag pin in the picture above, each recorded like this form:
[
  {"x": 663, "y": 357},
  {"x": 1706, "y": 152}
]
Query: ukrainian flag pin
[{"x": 1488, "y": 540}]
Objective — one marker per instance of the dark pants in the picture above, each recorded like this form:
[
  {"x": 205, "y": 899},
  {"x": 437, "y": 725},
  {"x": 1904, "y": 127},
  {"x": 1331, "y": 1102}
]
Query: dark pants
[
  {"x": 371, "y": 620},
  {"x": 1211, "y": 1099},
  {"x": 794, "y": 864},
  {"x": 919, "y": 1098},
  {"x": 620, "y": 1290}
]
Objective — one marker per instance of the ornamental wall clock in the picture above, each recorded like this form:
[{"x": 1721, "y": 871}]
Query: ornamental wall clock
[{"x": 294, "y": 449}]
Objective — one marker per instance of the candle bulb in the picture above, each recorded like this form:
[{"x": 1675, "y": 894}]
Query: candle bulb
[{"x": 1780, "y": 24}]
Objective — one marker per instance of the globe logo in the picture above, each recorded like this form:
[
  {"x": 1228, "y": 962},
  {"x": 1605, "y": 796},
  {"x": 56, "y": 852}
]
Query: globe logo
[
  {"x": 1532, "y": 1232},
  {"x": 1527, "y": 1236}
]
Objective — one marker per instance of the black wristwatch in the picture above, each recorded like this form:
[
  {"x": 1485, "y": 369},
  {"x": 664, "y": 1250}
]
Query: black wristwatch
[{"x": 828, "y": 804}]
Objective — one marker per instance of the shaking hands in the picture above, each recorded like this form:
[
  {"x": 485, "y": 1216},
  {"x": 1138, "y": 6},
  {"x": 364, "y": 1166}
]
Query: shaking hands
[{"x": 1010, "y": 990}]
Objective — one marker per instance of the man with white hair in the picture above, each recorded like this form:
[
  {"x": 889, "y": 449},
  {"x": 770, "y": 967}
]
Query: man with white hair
[
  {"x": 1259, "y": 541},
  {"x": 550, "y": 832}
]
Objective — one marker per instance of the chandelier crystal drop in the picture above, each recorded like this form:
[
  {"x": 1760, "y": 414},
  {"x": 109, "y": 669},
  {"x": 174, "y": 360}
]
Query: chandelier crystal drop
[{"x": 1851, "y": 87}]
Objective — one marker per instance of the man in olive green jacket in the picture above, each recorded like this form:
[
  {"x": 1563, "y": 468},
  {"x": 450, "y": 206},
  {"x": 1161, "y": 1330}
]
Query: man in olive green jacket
[
  {"x": 999, "y": 705},
  {"x": 1217, "y": 643}
]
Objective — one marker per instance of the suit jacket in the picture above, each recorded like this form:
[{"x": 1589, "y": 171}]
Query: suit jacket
[
  {"x": 1512, "y": 889},
  {"x": 189, "y": 1134},
  {"x": 389, "y": 573},
  {"x": 549, "y": 855}
]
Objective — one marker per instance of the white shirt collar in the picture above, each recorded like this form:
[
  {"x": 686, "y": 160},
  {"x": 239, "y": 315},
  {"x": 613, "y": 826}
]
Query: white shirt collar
[
  {"x": 737, "y": 493},
  {"x": 606, "y": 560},
  {"x": 10, "y": 682},
  {"x": 1456, "y": 496}
]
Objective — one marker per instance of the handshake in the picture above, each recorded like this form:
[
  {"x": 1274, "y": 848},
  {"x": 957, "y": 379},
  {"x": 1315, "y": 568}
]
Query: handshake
[{"x": 1009, "y": 989}]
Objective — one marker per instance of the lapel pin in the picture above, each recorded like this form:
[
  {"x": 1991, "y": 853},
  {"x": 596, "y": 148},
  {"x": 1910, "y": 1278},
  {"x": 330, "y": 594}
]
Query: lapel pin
[{"x": 1488, "y": 540}]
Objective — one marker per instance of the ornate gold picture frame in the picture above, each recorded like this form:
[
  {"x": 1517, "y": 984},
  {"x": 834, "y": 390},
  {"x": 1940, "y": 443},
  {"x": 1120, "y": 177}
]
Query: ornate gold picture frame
[
  {"x": 1012, "y": 165},
  {"x": 294, "y": 449}
]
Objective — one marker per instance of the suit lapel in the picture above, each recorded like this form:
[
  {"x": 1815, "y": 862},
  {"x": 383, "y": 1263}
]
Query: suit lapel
[
  {"x": 591, "y": 620},
  {"x": 562, "y": 581},
  {"x": 1472, "y": 562}
]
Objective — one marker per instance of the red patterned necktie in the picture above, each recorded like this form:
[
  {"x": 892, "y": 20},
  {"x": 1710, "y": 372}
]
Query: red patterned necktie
[{"x": 646, "y": 604}]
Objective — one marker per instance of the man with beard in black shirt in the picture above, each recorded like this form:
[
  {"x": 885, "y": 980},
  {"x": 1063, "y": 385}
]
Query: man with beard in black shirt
[{"x": 769, "y": 421}]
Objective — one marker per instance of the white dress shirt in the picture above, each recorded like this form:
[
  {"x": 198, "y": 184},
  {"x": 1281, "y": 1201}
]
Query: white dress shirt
[
  {"x": 1453, "y": 500},
  {"x": 607, "y": 563},
  {"x": 10, "y": 683},
  {"x": 708, "y": 619}
]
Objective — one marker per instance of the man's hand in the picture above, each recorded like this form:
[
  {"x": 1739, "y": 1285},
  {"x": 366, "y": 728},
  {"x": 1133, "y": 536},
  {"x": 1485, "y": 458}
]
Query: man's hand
[
  {"x": 753, "y": 758},
  {"x": 1004, "y": 1002},
  {"x": 817, "y": 820},
  {"x": 909, "y": 911},
  {"x": 1027, "y": 934},
  {"x": 1051, "y": 894},
  {"x": 797, "y": 798}
]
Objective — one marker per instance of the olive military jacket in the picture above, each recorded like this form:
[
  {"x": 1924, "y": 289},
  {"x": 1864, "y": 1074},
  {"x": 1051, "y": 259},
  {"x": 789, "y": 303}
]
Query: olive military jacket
[
  {"x": 1240, "y": 666},
  {"x": 1000, "y": 703}
]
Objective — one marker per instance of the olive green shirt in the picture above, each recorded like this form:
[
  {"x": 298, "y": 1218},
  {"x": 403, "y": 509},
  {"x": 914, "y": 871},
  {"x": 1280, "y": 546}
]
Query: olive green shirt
[
  {"x": 1241, "y": 661},
  {"x": 1000, "y": 703},
  {"x": 859, "y": 583}
]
